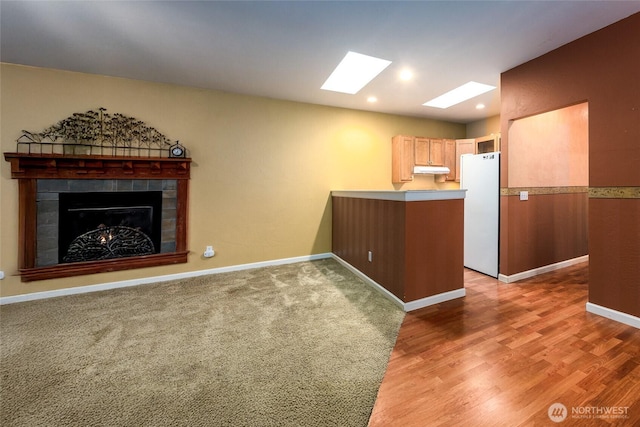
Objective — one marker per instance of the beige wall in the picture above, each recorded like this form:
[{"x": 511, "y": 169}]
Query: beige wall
[
  {"x": 262, "y": 169},
  {"x": 488, "y": 126}
]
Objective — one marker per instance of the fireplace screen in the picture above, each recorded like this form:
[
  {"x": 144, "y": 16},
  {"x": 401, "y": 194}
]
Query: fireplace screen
[
  {"x": 109, "y": 242},
  {"x": 105, "y": 225}
]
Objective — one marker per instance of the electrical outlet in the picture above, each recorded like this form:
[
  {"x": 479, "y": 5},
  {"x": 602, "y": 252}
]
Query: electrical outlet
[
  {"x": 524, "y": 195},
  {"x": 209, "y": 252}
]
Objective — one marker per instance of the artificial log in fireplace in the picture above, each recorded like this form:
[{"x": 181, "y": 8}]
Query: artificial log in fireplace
[{"x": 99, "y": 193}]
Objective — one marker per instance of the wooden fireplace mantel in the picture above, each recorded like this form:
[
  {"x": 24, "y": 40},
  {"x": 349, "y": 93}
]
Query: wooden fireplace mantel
[
  {"x": 28, "y": 168},
  {"x": 60, "y": 166}
]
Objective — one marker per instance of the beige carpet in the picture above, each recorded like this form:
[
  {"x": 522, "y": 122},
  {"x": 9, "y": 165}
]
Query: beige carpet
[{"x": 303, "y": 344}]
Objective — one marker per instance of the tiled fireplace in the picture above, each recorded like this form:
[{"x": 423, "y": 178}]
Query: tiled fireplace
[
  {"x": 79, "y": 220},
  {"x": 99, "y": 193},
  {"x": 47, "y": 180}
]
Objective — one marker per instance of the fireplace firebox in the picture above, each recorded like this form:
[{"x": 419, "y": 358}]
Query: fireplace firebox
[{"x": 103, "y": 225}]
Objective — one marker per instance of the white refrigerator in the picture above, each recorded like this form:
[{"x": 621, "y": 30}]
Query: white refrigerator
[{"x": 480, "y": 176}]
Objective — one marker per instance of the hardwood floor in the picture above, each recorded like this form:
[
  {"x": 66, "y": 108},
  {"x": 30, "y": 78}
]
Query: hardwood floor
[{"x": 505, "y": 353}]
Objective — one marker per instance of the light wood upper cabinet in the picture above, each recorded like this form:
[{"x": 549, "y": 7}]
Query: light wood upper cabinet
[
  {"x": 436, "y": 152},
  {"x": 488, "y": 144},
  {"x": 463, "y": 146},
  {"x": 402, "y": 148},
  {"x": 409, "y": 151},
  {"x": 421, "y": 151},
  {"x": 450, "y": 158},
  {"x": 428, "y": 151}
]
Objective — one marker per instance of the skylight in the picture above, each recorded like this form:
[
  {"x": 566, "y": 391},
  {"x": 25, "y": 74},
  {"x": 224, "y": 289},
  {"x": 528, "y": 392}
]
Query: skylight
[
  {"x": 466, "y": 91},
  {"x": 354, "y": 72}
]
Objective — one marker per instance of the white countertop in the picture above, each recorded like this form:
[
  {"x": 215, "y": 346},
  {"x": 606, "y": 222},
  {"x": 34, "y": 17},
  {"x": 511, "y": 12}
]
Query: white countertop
[{"x": 402, "y": 196}]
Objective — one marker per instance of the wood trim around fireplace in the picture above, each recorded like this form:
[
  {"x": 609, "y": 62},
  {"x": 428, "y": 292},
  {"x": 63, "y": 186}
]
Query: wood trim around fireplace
[
  {"x": 60, "y": 166},
  {"x": 28, "y": 168},
  {"x": 104, "y": 266}
]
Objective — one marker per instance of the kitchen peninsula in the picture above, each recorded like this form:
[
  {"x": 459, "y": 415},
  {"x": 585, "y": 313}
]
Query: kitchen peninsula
[{"x": 407, "y": 243}]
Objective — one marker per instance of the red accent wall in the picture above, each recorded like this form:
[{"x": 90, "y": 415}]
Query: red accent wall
[
  {"x": 417, "y": 247},
  {"x": 434, "y": 237},
  {"x": 362, "y": 225},
  {"x": 614, "y": 269},
  {"x": 550, "y": 228},
  {"x": 603, "y": 69}
]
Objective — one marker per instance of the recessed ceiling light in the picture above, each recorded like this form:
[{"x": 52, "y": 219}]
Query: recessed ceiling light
[
  {"x": 354, "y": 72},
  {"x": 372, "y": 99},
  {"x": 406, "y": 74},
  {"x": 480, "y": 107},
  {"x": 466, "y": 91}
]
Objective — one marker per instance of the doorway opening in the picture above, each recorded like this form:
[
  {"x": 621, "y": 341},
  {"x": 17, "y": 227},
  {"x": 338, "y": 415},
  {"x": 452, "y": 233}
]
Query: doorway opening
[{"x": 547, "y": 194}]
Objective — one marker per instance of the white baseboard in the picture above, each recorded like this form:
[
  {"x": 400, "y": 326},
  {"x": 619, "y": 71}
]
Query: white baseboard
[
  {"x": 370, "y": 282},
  {"x": 435, "y": 299},
  {"x": 406, "y": 306},
  {"x": 618, "y": 316},
  {"x": 146, "y": 280},
  {"x": 536, "y": 271}
]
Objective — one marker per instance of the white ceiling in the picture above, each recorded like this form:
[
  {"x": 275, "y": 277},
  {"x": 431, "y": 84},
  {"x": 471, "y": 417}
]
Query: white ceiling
[{"x": 286, "y": 50}]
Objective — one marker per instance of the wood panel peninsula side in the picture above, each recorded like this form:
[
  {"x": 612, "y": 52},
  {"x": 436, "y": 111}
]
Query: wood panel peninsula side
[{"x": 408, "y": 243}]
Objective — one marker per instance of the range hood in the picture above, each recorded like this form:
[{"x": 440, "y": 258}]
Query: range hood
[{"x": 433, "y": 170}]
